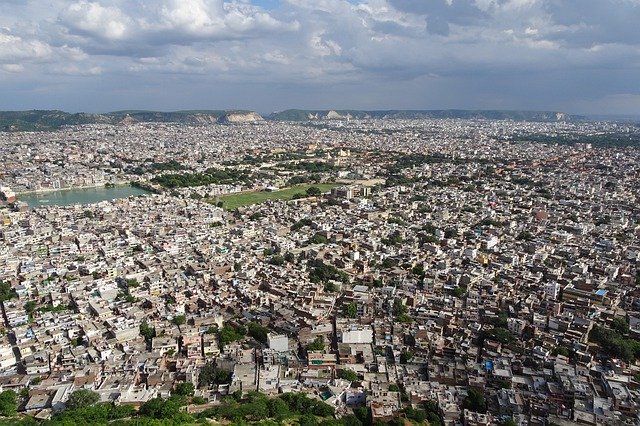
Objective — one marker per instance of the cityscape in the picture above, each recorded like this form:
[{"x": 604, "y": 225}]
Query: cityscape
[
  {"x": 319, "y": 213},
  {"x": 336, "y": 270}
]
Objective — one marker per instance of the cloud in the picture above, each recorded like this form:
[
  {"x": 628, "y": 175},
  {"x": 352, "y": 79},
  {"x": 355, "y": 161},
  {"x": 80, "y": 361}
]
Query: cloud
[
  {"x": 417, "y": 47},
  {"x": 95, "y": 20},
  {"x": 14, "y": 48}
]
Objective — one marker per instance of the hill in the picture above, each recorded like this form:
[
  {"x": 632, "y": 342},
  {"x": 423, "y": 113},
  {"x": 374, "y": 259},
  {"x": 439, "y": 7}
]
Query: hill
[
  {"x": 306, "y": 115},
  {"x": 46, "y": 120}
]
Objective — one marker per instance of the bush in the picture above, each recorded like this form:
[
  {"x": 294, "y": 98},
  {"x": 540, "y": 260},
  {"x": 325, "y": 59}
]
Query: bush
[{"x": 82, "y": 398}]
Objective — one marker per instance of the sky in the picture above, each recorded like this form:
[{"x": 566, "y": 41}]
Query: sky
[{"x": 581, "y": 57}]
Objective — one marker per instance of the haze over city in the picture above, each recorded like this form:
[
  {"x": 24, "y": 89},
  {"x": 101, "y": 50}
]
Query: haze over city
[{"x": 266, "y": 55}]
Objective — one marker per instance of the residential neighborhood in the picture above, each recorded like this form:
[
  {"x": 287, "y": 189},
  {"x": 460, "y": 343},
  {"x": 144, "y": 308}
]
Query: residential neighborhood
[{"x": 452, "y": 272}]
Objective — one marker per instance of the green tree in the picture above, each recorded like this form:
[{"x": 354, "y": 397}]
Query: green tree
[
  {"x": 180, "y": 320},
  {"x": 8, "y": 404},
  {"x": 403, "y": 318},
  {"x": 620, "y": 325},
  {"x": 399, "y": 308},
  {"x": 459, "y": 291},
  {"x": 6, "y": 291},
  {"x": 184, "y": 389},
  {"x": 330, "y": 287},
  {"x": 475, "y": 401},
  {"x": 198, "y": 400},
  {"x": 147, "y": 331},
  {"x": 158, "y": 408},
  {"x": 210, "y": 375},
  {"x": 278, "y": 409},
  {"x": 30, "y": 306},
  {"x": 289, "y": 257},
  {"x": 316, "y": 345},
  {"x": 277, "y": 260},
  {"x": 82, "y": 398},
  {"x": 318, "y": 239},
  {"x": 352, "y": 310},
  {"x": 348, "y": 375},
  {"x": 313, "y": 191},
  {"x": 258, "y": 332},
  {"x": 230, "y": 334},
  {"x": 507, "y": 422},
  {"x": 406, "y": 356}
]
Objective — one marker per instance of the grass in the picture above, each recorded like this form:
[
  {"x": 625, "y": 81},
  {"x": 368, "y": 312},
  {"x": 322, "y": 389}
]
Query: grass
[{"x": 233, "y": 201}]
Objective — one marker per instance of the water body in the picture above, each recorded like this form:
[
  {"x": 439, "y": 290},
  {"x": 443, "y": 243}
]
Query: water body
[{"x": 67, "y": 197}]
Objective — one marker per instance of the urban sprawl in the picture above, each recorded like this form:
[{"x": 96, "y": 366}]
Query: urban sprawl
[{"x": 357, "y": 272}]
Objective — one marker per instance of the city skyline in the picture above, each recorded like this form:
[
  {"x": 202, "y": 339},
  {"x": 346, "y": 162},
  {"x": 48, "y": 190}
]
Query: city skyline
[{"x": 98, "y": 56}]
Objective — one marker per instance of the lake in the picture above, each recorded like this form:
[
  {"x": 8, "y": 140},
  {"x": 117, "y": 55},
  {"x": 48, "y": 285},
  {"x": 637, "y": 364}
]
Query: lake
[{"x": 66, "y": 197}]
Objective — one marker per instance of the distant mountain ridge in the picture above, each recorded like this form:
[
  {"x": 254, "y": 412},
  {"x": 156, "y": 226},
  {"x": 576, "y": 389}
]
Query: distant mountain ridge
[
  {"x": 306, "y": 115},
  {"x": 45, "y": 120}
]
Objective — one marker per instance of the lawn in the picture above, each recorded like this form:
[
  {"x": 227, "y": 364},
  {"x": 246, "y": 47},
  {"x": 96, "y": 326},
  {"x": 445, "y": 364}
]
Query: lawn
[{"x": 233, "y": 201}]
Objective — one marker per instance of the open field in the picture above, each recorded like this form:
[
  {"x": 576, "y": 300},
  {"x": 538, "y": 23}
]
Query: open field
[{"x": 233, "y": 201}]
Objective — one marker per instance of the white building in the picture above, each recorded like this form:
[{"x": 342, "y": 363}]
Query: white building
[
  {"x": 278, "y": 342},
  {"x": 355, "y": 334}
]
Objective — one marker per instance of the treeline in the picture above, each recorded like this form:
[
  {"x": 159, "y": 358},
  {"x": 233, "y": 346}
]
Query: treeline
[
  {"x": 211, "y": 176},
  {"x": 322, "y": 272},
  {"x": 614, "y": 343},
  {"x": 172, "y": 165},
  {"x": 310, "y": 166},
  {"x": 256, "y": 407}
]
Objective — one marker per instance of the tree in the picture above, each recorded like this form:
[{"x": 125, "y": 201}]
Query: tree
[
  {"x": 475, "y": 401},
  {"x": 348, "y": 375},
  {"x": 352, "y": 310},
  {"x": 184, "y": 389},
  {"x": 198, "y": 400},
  {"x": 399, "y": 308},
  {"x": 8, "y": 405},
  {"x": 278, "y": 409},
  {"x": 330, "y": 287},
  {"x": 459, "y": 291},
  {"x": 30, "y": 306},
  {"x": 318, "y": 239},
  {"x": 277, "y": 260},
  {"x": 289, "y": 257},
  {"x": 147, "y": 331},
  {"x": 313, "y": 191},
  {"x": 316, "y": 345},
  {"x": 158, "y": 408},
  {"x": 507, "y": 422},
  {"x": 82, "y": 398},
  {"x": 180, "y": 320},
  {"x": 258, "y": 332},
  {"x": 403, "y": 318},
  {"x": 620, "y": 325},
  {"x": 6, "y": 291},
  {"x": 229, "y": 334},
  {"x": 406, "y": 356},
  {"x": 210, "y": 374}
]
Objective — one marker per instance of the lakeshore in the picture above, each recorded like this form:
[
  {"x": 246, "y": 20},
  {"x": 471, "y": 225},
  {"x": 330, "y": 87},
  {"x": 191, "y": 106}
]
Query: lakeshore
[{"x": 79, "y": 195}]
